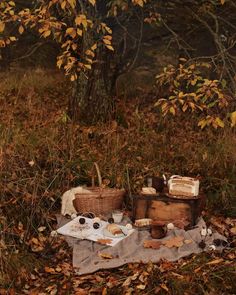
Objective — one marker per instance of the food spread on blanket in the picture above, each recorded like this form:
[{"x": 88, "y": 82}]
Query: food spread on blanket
[{"x": 85, "y": 228}]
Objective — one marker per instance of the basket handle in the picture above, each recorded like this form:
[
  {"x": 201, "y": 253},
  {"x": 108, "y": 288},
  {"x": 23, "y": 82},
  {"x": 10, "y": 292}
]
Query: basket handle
[{"x": 98, "y": 174}]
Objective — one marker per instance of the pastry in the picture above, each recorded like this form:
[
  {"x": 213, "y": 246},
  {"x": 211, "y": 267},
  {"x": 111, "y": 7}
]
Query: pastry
[
  {"x": 114, "y": 229},
  {"x": 143, "y": 222},
  {"x": 149, "y": 191}
]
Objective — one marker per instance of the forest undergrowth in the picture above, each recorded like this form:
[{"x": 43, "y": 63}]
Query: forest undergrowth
[{"x": 43, "y": 153}]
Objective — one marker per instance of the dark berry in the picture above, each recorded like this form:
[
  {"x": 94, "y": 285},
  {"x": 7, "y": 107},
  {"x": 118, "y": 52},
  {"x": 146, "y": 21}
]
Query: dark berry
[
  {"x": 111, "y": 220},
  {"x": 202, "y": 245},
  {"x": 224, "y": 243},
  {"x": 82, "y": 220},
  {"x": 217, "y": 242},
  {"x": 89, "y": 215},
  {"x": 96, "y": 225}
]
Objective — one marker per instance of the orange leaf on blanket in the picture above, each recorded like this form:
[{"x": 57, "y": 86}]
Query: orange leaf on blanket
[
  {"x": 105, "y": 255},
  {"x": 152, "y": 244},
  {"x": 104, "y": 241},
  {"x": 187, "y": 242},
  {"x": 174, "y": 242}
]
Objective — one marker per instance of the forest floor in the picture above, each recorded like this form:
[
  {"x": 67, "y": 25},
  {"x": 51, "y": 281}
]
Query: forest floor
[{"x": 43, "y": 153}]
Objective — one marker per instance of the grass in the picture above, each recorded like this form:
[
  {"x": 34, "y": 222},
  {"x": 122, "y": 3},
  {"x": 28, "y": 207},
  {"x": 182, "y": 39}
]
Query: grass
[{"x": 42, "y": 154}]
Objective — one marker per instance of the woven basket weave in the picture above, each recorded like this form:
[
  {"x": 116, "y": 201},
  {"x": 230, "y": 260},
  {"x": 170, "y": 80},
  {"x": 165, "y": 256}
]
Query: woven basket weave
[{"x": 101, "y": 201}]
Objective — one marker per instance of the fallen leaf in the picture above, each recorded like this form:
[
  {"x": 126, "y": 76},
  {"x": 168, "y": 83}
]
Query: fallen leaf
[
  {"x": 157, "y": 290},
  {"x": 81, "y": 291},
  {"x": 187, "y": 242},
  {"x": 129, "y": 279},
  {"x": 233, "y": 230},
  {"x": 164, "y": 287},
  {"x": 49, "y": 270},
  {"x": 174, "y": 242},
  {"x": 216, "y": 261},
  {"x": 221, "y": 228},
  {"x": 178, "y": 275},
  {"x": 58, "y": 269},
  {"x": 152, "y": 244},
  {"x": 166, "y": 266},
  {"x": 98, "y": 279},
  {"x": 41, "y": 228},
  {"x": 105, "y": 255},
  {"x": 112, "y": 282},
  {"x": 35, "y": 241},
  {"x": 52, "y": 290},
  {"x": 104, "y": 241},
  {"x": 198, "y": 269},
  {"x": 141, "y": 287},
  {"x": 231, "y": 256},
  {"x": 230, "y": 221},
  {"x": 31, "y": 163}
]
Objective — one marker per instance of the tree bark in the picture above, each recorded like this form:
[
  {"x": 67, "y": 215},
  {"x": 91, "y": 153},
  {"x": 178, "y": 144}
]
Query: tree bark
[
  {"x": 91, "y": 101},
  {"x": 5, "y": 58}
]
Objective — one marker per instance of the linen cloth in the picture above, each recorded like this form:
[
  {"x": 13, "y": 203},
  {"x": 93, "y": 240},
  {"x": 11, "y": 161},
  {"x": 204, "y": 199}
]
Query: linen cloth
[{"x": 86, "y": 257}]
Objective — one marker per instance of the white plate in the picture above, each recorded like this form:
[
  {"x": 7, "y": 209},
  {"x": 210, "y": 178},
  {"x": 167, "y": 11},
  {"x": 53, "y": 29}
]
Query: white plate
[{"x": 107, "y": 233}]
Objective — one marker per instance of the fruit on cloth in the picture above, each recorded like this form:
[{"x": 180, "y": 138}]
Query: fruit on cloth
[
  {"x": 110, "y": 220},
  {"x": 96, "y": 225},
  {"x": 82, "y": 220}
]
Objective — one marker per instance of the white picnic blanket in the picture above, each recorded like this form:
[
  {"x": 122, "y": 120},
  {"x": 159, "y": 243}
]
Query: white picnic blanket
[{"x": 87, "y": 258}]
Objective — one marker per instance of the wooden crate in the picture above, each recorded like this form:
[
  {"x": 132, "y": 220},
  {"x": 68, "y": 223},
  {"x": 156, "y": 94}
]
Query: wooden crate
[{"x": 163, "y": 208}]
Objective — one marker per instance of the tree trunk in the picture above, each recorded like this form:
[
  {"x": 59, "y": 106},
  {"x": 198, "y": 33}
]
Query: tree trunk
[
  {"x": 5, "y": 58},
  {"x": 91, "y": 101}
]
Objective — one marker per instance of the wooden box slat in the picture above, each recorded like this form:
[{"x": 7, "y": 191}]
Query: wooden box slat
[{"x": 166, "y": 209}]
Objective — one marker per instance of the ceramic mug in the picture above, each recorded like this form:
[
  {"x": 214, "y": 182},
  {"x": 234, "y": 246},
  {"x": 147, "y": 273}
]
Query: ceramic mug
[{"x": 117, "y": 215}]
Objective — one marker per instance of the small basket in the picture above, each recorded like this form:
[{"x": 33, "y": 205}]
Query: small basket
[{"x": 101, "y": 201}]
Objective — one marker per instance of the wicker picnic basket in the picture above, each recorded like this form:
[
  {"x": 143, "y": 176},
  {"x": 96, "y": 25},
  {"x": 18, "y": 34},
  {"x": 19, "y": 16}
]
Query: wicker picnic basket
[{"x": 101, "y": 201}]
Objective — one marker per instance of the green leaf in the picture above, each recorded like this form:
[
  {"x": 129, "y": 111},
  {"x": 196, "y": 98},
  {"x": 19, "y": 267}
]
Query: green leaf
[
  {"x": 223, "y": 83},
  {"x": 210, "y": 105}
]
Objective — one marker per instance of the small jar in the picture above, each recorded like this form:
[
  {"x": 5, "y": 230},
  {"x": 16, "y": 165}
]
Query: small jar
[{"x": 158, "y": 229}]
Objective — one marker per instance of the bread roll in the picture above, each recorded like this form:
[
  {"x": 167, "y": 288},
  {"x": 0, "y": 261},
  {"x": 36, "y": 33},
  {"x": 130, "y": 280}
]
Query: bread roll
[{"x": 114, "y": 229}]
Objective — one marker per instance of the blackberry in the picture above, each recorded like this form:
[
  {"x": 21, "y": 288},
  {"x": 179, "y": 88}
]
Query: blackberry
[
  {"x": 202, "y": 245},
  {"x": 111, "y": 220},
  {"x": 82, "y": 220},
  {"x": 96, "y": 225}
]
